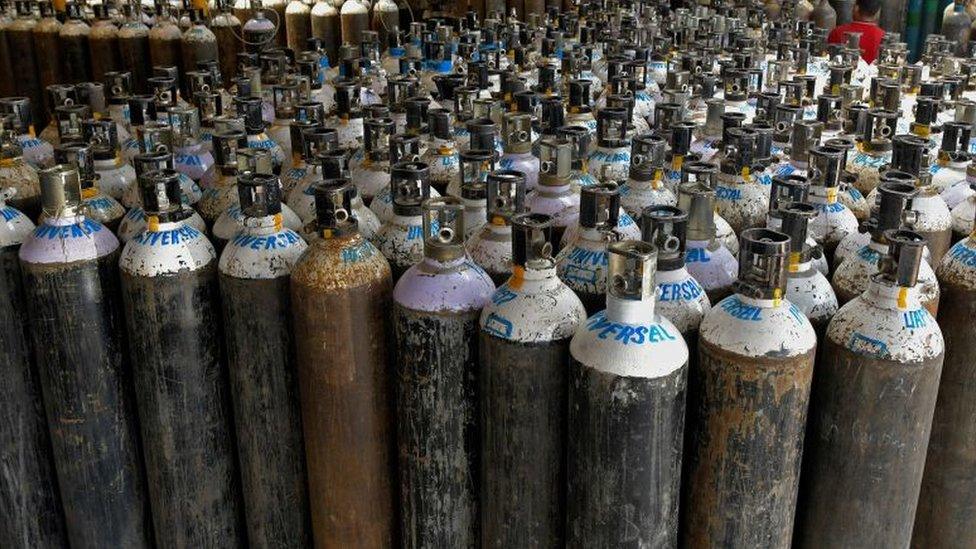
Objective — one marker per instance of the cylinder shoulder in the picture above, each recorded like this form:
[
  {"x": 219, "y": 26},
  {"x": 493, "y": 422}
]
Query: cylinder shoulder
[
  {"x": 166, "y": 251},
  {"x": 340, "y": 263},
  {"x": 15, "y": 227},
  {"x": 80, "y": 241},
  {"x": 886, "y": 334},
  {"x": 748, "y": 330},
  {"x": 428, "y": 286},
  {"x": 533, "y": 312},
  {"x": 653, "y": 349},
  {"x": 958, "y": 267},
  {"x": 266, "y": 256}
]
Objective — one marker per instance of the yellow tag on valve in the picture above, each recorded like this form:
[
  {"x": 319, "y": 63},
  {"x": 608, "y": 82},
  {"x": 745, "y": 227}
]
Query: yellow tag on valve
[
  {"x": 277, "y": 222},
  {"x": 152, "y": 223},
  {"x": 676, "y": 162},
  {"x": 777, "y": 297},
  {"x": 902, "y": 298},
  {"x": 794, "y": 262},
  {"x": 518, "y": 276}
]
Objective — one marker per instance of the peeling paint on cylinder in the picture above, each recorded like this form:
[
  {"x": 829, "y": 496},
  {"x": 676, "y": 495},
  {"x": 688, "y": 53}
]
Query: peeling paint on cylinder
[
  {"x": 947, "y": 503},
  {"x": 172, "y": 306},
  {"x": 340, "y": 306},
  {"x": 72, "y": 286},
  {"x": 30, "y": 509}
]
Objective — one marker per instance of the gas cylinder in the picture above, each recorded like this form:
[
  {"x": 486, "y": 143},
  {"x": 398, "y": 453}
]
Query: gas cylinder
[
  {"x": 610, "y": 159},
  {"x": 806, "y": 286},
  {"x": 583, "y": 267},
  {"x": 524, "y": 346},
  {"x": 681, "y": 134},
  {"x": 852, "y": 276},
  {"x": 708, "y": 260},
  {"x": 326, "y": 27},
  {"x": 222, "y": 192},
  {"x": 284, "y": 98},
  {"x": 579, "y": 138},
  {"x": 847, "y": 193},
  {"x": 302, "y": 159},
  {"x": 191, "y": 158},
  {"x": 867, "y": 442},
  {"x": 517, "y": 143},
  {"x": 348, "y": 119},
  {"x": 258, "y": 31},
  {"x": 278, "y": 7},
  {"x": 945, "y": 497},
  {"x": 627, "y": 381},
  {"x": 679, "y": 297},
  {"x": 99, "y": 207},
  {"x": 16, "y": 174},
  {"x": 437, "y": 304},
  {"x": 30, "y": 511},
  {"x": 490, "y": 248},
  {"x": 804, "y": 135},
  {"x": 134, "y": 52},
  {"x": 37, "y": 152},
  {"x": 955, "y": 28},
  {"x": 835, "y": 220},
  {"x": 103, "y": 43},
  {"x": 739, "y": 197},
  {"x": 341, "y": 289},
  {"x": 115, "y": 176},
  {"x": 442, "y": 153},
  {"x": 160, "y": 158},
  {"x": 950, "y": 173},
  {"x": 354, "y": 16},
  {"x": 386, "y": 19},
  {"x": 250, "y": 110},
  {"x": 70, "y": 270},
  {"x": 47, "y": 51},
  {"x": 400, "y": 238},
  {"x": 745, "y": 450},
  {"x": 553, "y": 195},
  {"x": 23, "y": 59},
  {"x": 962, "y": 217},
  {"x": 255, "y": 269},
  {"x": 164, "y": 39},
  {"x": 227, "y": 28},
  {"x": 171, "y": 297},
  {"x": 875, "y": 147},
  {"x": 645, "y": 186},
  {"x": 197, "y": 45},
  {"x": 73, "y": 47},
  {"x": 321, "y": 158},
  {"x": 474, "y": 165},
  {"x": 298, "y": 25},
  {"x": 783, "y": 191}
]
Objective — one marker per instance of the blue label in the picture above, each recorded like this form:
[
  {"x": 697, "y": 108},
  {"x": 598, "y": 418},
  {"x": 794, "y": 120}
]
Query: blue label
[
  {"x": 786, "y": 169},
  {"x": 964, "y": 254},
  {"x": 867, "y": 160},
  {"x": 830, "y": 208},
  {"x": 30, "y": 142},
  {"x": 854, "y": 193},
  {"x": 503, "y": 295},
  {"x": 415, "y": 232},
  {"x": 628, "y": 334},
  {"x": 869, "y": 346},
  {"x": 358, "y": 252},
  {"x": 743, "y": 311},
  {"x": 697, "y": 255},
  {"x": 283, "y": 239},
  {"x": 136, "y": 214},
  {"x": 296, "y": 173},
  {"x": 100, "y": 203},
  {"x": 78, "y": 230},
  {"x": 581, "y": 256},
  {"x": 187, "y": 160},
  {"x": 171, "y": 237},
  {"x": 915, "y": 319},
  {"x": 10, "y": 213},
  {"x": 624, "y": 220},
  {"x": 728, "y": 193},
  {"x": 498, "y": 325},
  {"x": 687, "y": 290},
  {"x": 868, "y": 254},
  {"x": 610, "y": 158}
]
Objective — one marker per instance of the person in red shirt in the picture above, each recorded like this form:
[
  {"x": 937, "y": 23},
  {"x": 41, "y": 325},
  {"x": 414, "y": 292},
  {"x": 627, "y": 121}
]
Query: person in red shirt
[{"x": 865, "y": 22}]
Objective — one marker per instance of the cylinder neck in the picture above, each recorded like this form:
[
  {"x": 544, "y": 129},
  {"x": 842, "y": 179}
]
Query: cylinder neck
[{"x": 630, "y": 282}]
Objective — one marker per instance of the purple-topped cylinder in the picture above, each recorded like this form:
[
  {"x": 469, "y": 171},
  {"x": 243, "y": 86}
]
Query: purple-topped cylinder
[
  {"x": 437, "y": 305},
  {"x": 71, "y": 281}
]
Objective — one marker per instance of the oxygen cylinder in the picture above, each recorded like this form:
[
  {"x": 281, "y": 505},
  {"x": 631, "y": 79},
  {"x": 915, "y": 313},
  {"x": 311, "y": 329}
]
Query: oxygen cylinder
[
  {"x": 437, "y": 303},
  {"x": 583, "y": 267},
  {"x": 326, "y": 27},
  {"x": 739, "y": 197},
  {"x": 134, "y": 53},
  {"x": 278, "y": 7},
  {"x": 835, "y": 220},
  {"x": 517, "y": 143},
  {"x": 255, "y": 269},
  {"x": 933, "y": 220},
  {"x": 23, "y": 60},
  {"x": 322, "y": 159},
  {"x": 340, "y": 290},
  {"x": 36, "y": 152},
  {"x": 645, "y": 187},
  {"x": 284, "y": 97},
  {"x": 524, "y": 347},
  {"x": 400, "y": 239},
  {"x": 190, "y": 156},
  {"x": 250, "y": 110},
  {"x": 950, "y": 175},
  {"x": 227, "y": 28},
  {"x": 875, "y": 148},
  {"x": 302, "y": 158},
  {"x": 442, "y": 154},
  {"x": 747, "y": 403},
  {"x": 144, "y": 163},
  {"x": 847, "y": 194},
  {"x": 73, "y": 47},
  {"x": 354, "y": 16},
  {"x": 30, "y": 510},
  {"x": 806, "y": 286},
  {"x": 372, "y": 175},
  {"x": 490, "y": 248},
  {"x": 679, "y": 297},
  {"x": 221, "y": 194},
  {"x": 853, "y": 276},
  {"x": 945, "y": 496},
  {"x": 553, "y": 195},
  {"x": 70, "y": 270},
  {"x": 867, "y": 439},
  {"x": 474, "y": 165},
  {"x": 197, "y": 45},
  {"x": 579, "y": 138},
  {"x": 114, "y": 175},
  {"x": 386, "y": 20},
  {"x": 610, "y": 159},
  {"x": 298, "y": 25},
  {"x": 99, "y": 207},
  {"x": 627, "y": 382},
  {"x": 707, "y": 258},
  {"x": 103, "y": 43},
  {"x": 164, "y": 39},
  {"x": 47, "y": 52},
  {"x": 259, "y": 33},
  {"x": 171, "y": 297}
]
